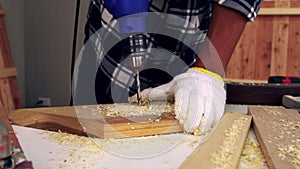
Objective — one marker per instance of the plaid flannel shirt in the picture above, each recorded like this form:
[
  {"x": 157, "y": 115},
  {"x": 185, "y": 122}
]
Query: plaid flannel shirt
[{"x": 197, "y": 12}]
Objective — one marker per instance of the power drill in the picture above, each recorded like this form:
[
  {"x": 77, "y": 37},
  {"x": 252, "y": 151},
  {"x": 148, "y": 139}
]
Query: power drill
[
  {"x": 11, "y": 157},
  {"x": 132, "y": 25}
]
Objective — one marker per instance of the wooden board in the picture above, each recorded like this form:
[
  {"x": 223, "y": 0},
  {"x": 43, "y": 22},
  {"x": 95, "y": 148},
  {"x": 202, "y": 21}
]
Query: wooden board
[
  {"x": 66, "y": 120},
  {"x": 259, "y": 93},
  {"x": 231, "y": 132},
  {"x": 278, "y": 132},
  {"x": 8, "y": 72},
  {"x": 293, "y": 62},
  {"x": 279, "y": 11}
]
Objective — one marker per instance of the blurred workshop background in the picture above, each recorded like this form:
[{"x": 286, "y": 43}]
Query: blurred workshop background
[{"x": 40, "y": 34}]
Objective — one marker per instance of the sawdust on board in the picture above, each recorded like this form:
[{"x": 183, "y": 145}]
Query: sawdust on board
[{"x": 80, "y": 149}]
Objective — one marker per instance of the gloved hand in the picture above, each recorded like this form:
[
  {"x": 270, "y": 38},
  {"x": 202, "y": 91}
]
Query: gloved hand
[{"x": 199, "y": 98}]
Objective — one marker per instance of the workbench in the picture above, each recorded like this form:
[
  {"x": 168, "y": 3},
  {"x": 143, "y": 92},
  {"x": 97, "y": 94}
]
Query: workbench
[{"x": 48, "y": 154}]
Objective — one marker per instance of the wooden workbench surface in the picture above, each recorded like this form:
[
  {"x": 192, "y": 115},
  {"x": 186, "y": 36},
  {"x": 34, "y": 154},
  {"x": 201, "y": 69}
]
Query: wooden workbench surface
[{"x": 160, "y": 151}]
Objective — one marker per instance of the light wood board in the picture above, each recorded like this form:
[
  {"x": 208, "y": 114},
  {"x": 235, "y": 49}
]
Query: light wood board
[
  {"x": 279, "y": 11},
  {"x": 91, "y": 122},
  {"x": 278, "y": 131},
  {"x": 208, "y": 155}
]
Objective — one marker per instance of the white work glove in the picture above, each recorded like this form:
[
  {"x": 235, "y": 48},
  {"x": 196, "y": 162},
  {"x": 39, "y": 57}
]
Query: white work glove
[{"x": 199, "y": 98}]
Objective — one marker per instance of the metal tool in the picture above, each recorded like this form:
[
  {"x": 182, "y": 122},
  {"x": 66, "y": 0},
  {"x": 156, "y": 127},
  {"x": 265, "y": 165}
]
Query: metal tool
[
  {"x": 137, "y": 48},
  {"x": 130, "y": 15},
  {"x": 138, "y": 89},
  {"x": 291, "y": 102}
]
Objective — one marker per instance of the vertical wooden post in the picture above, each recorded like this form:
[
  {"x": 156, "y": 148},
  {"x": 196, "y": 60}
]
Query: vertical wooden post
[{"x": 10, "y": 97}]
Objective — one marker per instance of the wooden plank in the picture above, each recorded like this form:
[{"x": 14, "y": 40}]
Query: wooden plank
[
  {"x": 247, "y": 53},
  {"x": 233, "y": 69},
  {"x": 228, "y": 80},
  {"x": 263, "y": 45},
  {"x": 223, "y": 149},
  {"x": 8, "y": 72},
  {"x": 94, "y": 122},
  {"x": 259, "y": 93},
  {"x": 293, "y": 63},
  {"x": 280, "y": 42},
  {"x": 277, "y": 130},
  {"x": 279, "y": 11}
]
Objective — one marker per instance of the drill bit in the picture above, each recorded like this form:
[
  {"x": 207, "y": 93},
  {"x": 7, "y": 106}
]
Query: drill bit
[{"x": 138, "y": 89}]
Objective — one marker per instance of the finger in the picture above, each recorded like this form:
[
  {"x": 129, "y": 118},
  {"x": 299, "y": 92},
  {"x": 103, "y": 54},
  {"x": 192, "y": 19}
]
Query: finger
[
  {"x": 214, "y": 106},
  {"x": 144, "y": 93},
  {"x": 208, "y": 115},
  {"x": 195, "y": 111},
  {"x": 158, "y": 94},
  {"x": 181, "y": 104},
  {"x": 209, "y": 109},
  {"x": 219, "y": 101}
]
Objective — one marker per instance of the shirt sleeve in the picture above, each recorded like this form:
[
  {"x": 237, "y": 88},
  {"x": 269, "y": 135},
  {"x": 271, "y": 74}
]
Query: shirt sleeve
[{"x": 249, "y": 8}]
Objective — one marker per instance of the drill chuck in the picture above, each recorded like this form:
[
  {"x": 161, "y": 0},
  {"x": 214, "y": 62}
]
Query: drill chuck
[
  {"x": 138, "y": 47},
  {"x": 131, "y": 15}
]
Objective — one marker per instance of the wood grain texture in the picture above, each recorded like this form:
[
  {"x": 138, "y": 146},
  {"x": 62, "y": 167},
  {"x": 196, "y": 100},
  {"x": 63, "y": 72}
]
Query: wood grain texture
[
  {"x": 8, "y": 63},
  {"x": 263, "y": 50},
  {"x": 293, "y": 62},
  {"x": 8, "y": 72},
  {"x": 6, "y": 97},
  {"x": 212, "y": 153},
  {"x": 259, "y": 93},
  {"x": 280, "y": 42},
  {"x": 277, "y": 130},
  {"x": 71, "y": 120},
  {"x": 279, "y": 11},
  {"x": 248, "y": 53},
  {"x": 275, "y": 39}
]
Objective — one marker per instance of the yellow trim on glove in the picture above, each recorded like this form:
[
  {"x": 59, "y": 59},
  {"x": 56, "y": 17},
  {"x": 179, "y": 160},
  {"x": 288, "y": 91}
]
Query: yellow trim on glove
[{"x": 208, "y": 72}]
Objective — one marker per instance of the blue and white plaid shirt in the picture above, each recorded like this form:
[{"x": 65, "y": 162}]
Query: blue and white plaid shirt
[{"x": 197, "y": 12}]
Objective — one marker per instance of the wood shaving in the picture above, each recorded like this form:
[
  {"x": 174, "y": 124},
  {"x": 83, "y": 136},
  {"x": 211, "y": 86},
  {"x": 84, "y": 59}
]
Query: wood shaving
[
  {"x": 126, "y": 109},
  {"x": 78, "y": 150},
  {"x": 89, "y": 148},
  {"x": 222, "y": 158},
  {"x": 292, "y": 151},
  {"x": 289, "y": 133},
  {"x": 252, "y": 156}
]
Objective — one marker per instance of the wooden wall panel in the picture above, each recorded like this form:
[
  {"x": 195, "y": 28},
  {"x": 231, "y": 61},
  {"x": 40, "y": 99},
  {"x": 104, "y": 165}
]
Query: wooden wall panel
[
  {"x": 270, "y": 45},
  {"x": 293, "y": 63},
  {"x": 248, "y": 61},
  {"x": 264, "y": 45},
  {"x": 280, "y": 42}
]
